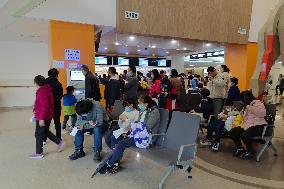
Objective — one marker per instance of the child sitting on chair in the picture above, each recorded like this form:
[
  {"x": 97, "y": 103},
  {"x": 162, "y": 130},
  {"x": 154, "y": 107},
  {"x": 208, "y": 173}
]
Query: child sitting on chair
[{"x": 217, "y": 126}]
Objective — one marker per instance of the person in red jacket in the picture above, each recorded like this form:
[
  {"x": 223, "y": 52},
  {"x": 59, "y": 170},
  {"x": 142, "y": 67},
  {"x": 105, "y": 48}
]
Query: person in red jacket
[{"x": 44, "y": 112}]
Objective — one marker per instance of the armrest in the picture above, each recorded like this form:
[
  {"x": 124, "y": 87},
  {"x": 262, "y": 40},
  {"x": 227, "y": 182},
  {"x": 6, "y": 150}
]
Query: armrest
[
  {"x": 264, "y": 131},
  {"x": 181, "y": 149}
]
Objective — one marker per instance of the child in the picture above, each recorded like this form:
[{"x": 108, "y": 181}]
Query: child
[
  {"x": 44, "y": 112},
  {"x": 234, "y": 93},
  {"x": 69, "y": 101},
  {"x": 218, "y": 125},
  {"x": 131, "y": 114},
  {"x": 205, "y": 106}
]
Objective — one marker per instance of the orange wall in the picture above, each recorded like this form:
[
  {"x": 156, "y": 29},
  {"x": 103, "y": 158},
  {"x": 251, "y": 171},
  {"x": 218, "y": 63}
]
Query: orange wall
[
  {"x": 241, "y": 59},
  {"x": 66, "y": 35}
]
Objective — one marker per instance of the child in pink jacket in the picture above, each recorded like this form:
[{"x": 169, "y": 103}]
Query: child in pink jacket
[
  {"x": 44, "y": 112},
  {"x": 254, "y": 121}
]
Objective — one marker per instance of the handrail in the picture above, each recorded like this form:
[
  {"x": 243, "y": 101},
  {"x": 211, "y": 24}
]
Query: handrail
[{"x": 15, "y": 86}]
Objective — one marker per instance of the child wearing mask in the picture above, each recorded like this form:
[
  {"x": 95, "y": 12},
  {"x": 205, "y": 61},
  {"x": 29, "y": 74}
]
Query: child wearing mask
[
  {"x": 217, "y": 126},
  {"x": 130, "y": 114}
]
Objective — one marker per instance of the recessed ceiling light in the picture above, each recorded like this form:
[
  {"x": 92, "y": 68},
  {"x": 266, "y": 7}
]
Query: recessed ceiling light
[
  {"x": 116, "y": 43},
  {"x": 138, "y": 50},
  {"x": 167, "y": 52},
  {"x": 178, "y": 49},
  {"x": 191, "y": 65},
  {"x": 280, "y": 62},
  {"x": 126, "y": 53},
  {"x": 105, "y": 48},
  {"x": 126, "y": 45},
  {"x": 154, "y": 46},
  {"x": 208, "y": 45},
  {"x": 131, "y": 37},
  {"x": 184, "y": 48},
  {"x": 174, "y": 41}
]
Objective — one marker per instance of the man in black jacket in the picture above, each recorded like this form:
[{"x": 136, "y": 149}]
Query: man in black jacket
[
  {"x": 112, "y": 90},
  {"x": 92, "y": 88},
  {"x": 131, "y": 84},
  {"x": 57, "y": 94}
]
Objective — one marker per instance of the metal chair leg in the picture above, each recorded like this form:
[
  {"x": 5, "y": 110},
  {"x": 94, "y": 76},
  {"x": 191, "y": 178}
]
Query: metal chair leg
[
  {"x": 266, "y": 145},
  {"x": 170, "y": 170}
]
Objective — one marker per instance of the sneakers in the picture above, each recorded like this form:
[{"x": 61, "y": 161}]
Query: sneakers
[
  {"x": 60, "y": 146},
  {"x": 44, "y": 148},
  {"x": 113, "y": 169},
  {"x": 76, "y": 155},
  {"x": 247, "y": 155},
  {"x": 239, "y": 152},
  {"x": 97, "y": 157},
  {"x": 215, "y": 147},
  {"x": 36, "y": 156},
  {"x": 206, "y": 142}
]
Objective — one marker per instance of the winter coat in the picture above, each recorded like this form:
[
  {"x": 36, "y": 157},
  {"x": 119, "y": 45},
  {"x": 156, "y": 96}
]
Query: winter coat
[
  {"x": 57, "y": 93},
  {"x": 234, "y": 94},
  {"x": 176, "y": 83},
  {"x": 254, "y": 114},
  {"x": 218, "y": 87},
  {"x": 155, "y": 89},
  {"x": 92, "y": 88},
  {"x": 44, "y": 103},
  {"x": 205, "y": 107},
  {"x": 69, "y": 101},
  {"x": 131, "y": 88},
  {"x": 112, "y": 90}
]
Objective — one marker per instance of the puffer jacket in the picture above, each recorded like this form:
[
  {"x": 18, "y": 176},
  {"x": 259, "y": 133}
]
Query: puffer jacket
[
  {"x": 218, "y": 87},
  {"x": 112, "y": 90},
  {"x": 44, "y": 103},
  {"x": 69, "y": 102},
  {"x": 254, "y": 114},
  {"x": 155, "y": 89},
  {"x": 176, "y": 83}
]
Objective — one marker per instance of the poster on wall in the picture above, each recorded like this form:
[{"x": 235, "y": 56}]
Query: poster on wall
[
  {"x": 73, "y": 55},
  {"x": 58, "y": 64}
]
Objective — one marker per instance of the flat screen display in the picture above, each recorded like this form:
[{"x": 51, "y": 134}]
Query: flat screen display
[
  {"x": 101, "y": 60},
  {"x": 143, "y": 62},
  {"x": 123, "y": 61},
  {"x": 77, "y": 75},
  {"x": 162, "y": 63}
]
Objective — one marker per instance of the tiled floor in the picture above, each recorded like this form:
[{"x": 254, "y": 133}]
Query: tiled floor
[{"x": 55, "y": 171}]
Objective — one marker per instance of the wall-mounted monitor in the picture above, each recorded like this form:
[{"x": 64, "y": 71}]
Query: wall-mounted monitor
[
  {"x": 101, "y": 60},
  {"x": 143, "y": 62},
  {"x": 162, "y": 63},
  {"x": 122, "y": 61},
  {"x": 77, "y": 75}
]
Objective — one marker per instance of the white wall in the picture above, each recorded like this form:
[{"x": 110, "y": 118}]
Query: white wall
[
  {"x": 260, "y": 13},
  {"x": 20, "y": 62}
]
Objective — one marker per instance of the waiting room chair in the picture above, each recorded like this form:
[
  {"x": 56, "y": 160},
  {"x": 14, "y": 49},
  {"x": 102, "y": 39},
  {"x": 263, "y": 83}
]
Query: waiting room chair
[
  {"x": 178, "y": 150},
  {"x": 161, "y": 131},
  {"x": 268, "y": 132}
]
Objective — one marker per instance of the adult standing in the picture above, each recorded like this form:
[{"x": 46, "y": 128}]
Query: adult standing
[
  {"x": 131, "y": 84},
  {"x": 52, "y": 80},
  {"x": 217, "y": 86},
  {"x": 281, "y": 86},
  {"x": 112, "y": 90},
  {"x": 92, "y": 89},
  {"x": 177, "y": 84}
]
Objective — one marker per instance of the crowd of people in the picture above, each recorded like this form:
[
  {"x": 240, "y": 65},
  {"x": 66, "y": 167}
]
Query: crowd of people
[{"x": 142, "y": 97}]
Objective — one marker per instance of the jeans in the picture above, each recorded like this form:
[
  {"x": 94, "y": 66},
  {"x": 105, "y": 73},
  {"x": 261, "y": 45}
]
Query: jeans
[
  {"x": 73, "y": 120},
  {"x": 98, "y": 134},
  {"x": 119, "y": 150},
  {"x": 217, "y": 127},
  {"x": 111, "y": 141},
  {"x": 41, "y": 133}
]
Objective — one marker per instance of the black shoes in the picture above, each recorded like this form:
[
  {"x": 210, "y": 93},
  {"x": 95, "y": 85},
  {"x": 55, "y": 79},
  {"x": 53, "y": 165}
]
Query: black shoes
[
  {"x": 76, "y": 155},
  {"x": 239, "y": 152},
  {"x": 97, "y": 157},
  {"x": 247, "y": 155}
]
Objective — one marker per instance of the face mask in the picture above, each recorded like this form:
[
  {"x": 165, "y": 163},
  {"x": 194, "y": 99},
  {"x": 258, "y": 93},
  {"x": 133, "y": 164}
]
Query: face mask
[
  {"x": 127, "y": 109},
  {"x": 141, "y": 107}
]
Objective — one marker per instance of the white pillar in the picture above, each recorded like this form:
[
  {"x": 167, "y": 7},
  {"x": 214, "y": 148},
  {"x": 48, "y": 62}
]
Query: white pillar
[{"x": 178, "y": 63}]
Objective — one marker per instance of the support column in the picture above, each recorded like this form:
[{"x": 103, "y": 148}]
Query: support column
[
  {"x": 66, "y": 35},
  {"x": 242, "y": 60},
  {"x": 178, "y": 63}
]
